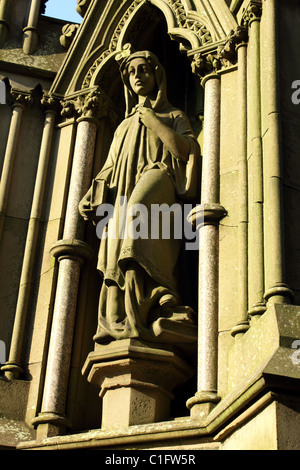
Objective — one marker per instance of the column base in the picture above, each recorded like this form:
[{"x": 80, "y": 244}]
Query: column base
[
  {"x": 50, "y": 424},
  {"x": 12, "y": 370},
  {"x": 30, "y": 39},
  {"x": 202, "y": 403},
  {"x": 136, "y": 380}
]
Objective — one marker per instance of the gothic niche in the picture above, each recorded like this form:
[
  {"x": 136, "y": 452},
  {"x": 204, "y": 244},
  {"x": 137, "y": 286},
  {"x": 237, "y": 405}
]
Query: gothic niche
[{"x": 145, "y": 343}]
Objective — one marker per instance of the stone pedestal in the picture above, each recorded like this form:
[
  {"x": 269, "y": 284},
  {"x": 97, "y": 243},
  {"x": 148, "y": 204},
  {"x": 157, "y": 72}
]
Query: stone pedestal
[{"x": 136, "y": 380}]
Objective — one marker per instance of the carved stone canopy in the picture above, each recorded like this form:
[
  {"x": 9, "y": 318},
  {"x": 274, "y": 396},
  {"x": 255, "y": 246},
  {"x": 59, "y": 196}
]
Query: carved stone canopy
[{"x": 101, "y": 37}]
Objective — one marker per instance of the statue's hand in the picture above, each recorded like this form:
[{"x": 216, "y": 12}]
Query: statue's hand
[
  {"x": 148, "y": 118},
  {"x": 85, "y": 209}
]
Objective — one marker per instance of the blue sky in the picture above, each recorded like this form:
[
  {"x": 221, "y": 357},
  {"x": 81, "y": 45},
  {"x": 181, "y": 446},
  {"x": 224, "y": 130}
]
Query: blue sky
[{"x": 63, "y": 9}]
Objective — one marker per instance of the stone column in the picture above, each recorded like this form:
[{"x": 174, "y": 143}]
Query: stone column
[
  {"x": 255, "y": 166},
  {"x": 71, "y": 252},
  {"x": 14, "y": 367},
  {"x": 20, "y": 100},
  {"x": 242, "y": 324},
  {"x": 31, "y": 35},
  {"x": 207, "y": 217},
  {"x": 5, "y": 8},
  {"x": 277, "y": 290}
]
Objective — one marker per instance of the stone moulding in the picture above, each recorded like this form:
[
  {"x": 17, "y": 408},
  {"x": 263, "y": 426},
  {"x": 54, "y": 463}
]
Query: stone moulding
[
  {"x": 206, "y": 214},
  {"x": 72, "y": 249}
]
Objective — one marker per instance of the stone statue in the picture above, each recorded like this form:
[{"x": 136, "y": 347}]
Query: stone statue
[{"x": 153, "y": 159}]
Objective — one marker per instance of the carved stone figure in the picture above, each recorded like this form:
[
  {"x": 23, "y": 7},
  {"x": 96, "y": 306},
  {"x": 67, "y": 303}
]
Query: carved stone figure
[{"x": 153, "y": 159}]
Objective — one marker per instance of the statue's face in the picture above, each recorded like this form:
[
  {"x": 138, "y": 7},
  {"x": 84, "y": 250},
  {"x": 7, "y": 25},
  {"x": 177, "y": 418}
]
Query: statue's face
[{"x": 141, "y": 77}]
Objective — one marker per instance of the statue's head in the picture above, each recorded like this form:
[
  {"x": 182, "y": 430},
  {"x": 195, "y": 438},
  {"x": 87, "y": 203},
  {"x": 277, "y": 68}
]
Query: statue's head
[{"x": 143, "y": 75}]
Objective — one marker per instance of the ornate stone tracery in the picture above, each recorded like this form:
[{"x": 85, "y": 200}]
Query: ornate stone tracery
[{"x": 185, "y": 29}]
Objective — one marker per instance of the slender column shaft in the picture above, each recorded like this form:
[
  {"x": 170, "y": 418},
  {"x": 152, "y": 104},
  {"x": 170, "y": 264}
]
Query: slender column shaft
[
  {"x": 242, "y": 323},
  {"x": 255, "y": 181},
  {"x": 211, "y": 141},
  {"x": 71, "y": 253},
  {"x": 206, "y": 395},
  {"x": 14, "y": 367},
  {"x": 9, "y": 159},
  {"x": 30, "y": 38},
  {"x": 5, "y": 8},
  {"x": 276, "y": 289},
  {"x": 208, "y": 262},
  {"x": 208, "y": 307}
]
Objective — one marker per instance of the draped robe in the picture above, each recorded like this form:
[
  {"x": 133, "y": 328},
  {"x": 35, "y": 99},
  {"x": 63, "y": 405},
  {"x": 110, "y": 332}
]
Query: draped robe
[{"x": 140, "y": 169}]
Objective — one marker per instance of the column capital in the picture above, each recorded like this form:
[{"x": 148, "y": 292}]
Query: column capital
[
  {"x": 20, "y": 97},
  {"x": 50, "y": 103},
  {"x": 209, "y": 64},
  {"x": 92, "y": 105},
  {"x": 252, "y": 12}
]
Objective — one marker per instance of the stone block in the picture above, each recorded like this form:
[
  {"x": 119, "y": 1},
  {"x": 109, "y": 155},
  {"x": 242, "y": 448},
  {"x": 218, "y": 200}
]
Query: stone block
[{"x": 135, "y": 380}]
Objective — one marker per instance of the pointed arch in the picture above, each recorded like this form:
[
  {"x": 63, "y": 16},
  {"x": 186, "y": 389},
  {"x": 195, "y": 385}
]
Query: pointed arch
[
  {"x": 187, "y": 29},
  {"x": 193, "y": 24}
]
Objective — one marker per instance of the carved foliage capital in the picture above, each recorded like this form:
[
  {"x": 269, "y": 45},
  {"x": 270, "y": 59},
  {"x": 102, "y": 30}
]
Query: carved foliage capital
[
  {"x": 223, "y": 56},
  {"x": 92, "y": 105},
  {"x": 19, "y": 97},
  {"x": 50, "y": 103},
  {"x": 252, "y": 12},
  {"x": 203, "y": 65}
]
